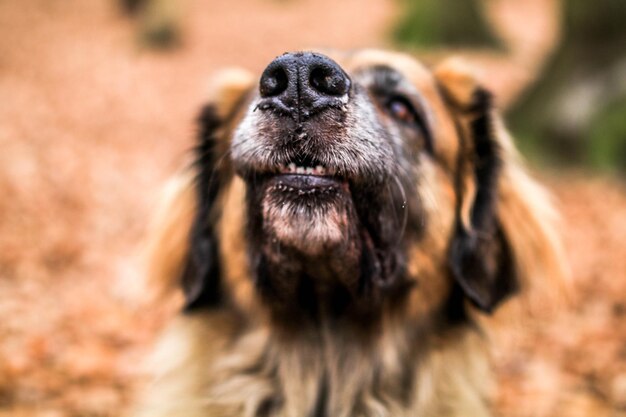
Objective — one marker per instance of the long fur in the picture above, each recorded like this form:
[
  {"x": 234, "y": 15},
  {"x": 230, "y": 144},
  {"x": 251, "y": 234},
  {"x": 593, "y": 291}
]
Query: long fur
[{"x": 421, "y": 360}]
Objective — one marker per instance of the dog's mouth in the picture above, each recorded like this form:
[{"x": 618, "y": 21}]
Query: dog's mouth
[
  {"x": 305, "y": 206},
  {"x": 303, "y": 183},
  {"x": 320, "y": 214},
  {"x": 309, "y": 169},
  {"x": 314, "y": 220},
  {"x": 307, "y": 185},
  {"x": 316, "y": 171},
  {"x": 308, "y": 181}
]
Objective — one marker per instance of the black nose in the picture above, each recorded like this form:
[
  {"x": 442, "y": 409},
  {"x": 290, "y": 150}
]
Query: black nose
[{"x": 303, "y": 83}]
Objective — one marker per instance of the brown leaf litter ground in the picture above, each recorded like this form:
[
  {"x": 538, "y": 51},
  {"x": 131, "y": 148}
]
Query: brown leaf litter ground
[{"x": 91, "y": 125}]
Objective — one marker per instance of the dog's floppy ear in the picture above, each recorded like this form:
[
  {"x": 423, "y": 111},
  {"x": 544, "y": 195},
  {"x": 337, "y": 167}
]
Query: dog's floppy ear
[
  {"x": 505, "y": 236},
  {"x": 200, "y": 277},
  {"x": 183, "y": 248}
]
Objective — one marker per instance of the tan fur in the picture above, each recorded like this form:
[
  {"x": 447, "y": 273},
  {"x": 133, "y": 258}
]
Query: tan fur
[
  {"x": 426, "y": 260},
  {"x": 530, "y": 221},
  {"x": 227, "y": 87},
  {"x": 253, "y": 368},
  {"x": 231, "y": 362},
  {"x": 234, "y": 260},
  {"x": 167, "y": 246}
]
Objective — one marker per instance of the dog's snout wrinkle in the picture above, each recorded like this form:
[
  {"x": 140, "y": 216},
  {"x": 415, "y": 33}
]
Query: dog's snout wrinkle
[{"x": 302, "y": 84}]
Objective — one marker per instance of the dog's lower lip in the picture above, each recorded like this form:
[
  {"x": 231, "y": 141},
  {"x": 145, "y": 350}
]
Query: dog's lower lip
[{"x": 306, "y": 182}]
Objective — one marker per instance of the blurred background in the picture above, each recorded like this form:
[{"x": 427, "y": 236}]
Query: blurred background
[{"x": 97, "y": 102}]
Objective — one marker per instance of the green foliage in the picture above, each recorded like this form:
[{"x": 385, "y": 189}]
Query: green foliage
[
  {"x": 592, "y": 48},
  {"x": 159, "y": 22},
  {"x": 160, "y": 35},
  {"x": 607, "y": 137},
  {"x": 456, "y": 23}
]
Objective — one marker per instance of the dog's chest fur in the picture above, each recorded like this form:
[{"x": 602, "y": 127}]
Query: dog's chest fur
[{"x": 225, "y": 371}]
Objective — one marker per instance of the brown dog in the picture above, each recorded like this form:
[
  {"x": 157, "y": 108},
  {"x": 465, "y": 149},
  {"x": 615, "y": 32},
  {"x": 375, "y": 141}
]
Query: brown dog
[{"x": 343, "y": 220}]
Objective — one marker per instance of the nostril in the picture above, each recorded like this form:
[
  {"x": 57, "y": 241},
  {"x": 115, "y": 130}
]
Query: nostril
[
  {"x": 273, "y": 81},
  {"x": 301, "y": 84},
  {"x": 329, "y": 81}
]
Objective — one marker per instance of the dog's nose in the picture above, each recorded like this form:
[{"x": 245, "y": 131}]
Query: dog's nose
[{"x": 303, "y": 83}]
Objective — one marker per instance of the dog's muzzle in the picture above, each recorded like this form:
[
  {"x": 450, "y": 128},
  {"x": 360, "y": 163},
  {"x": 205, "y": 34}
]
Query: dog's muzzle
[{"x": 317, "y": 158}]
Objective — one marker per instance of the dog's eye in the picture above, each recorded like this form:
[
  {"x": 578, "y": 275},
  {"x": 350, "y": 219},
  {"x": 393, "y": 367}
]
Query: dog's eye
[{"x": 401, "y": 109}]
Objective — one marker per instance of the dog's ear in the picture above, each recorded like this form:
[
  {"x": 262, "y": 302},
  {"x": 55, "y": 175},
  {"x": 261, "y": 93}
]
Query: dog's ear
[
  {"x": 184, "y": 248},
  {"x": 505, "y": 237},
  {"x": 200, "y": 277}
]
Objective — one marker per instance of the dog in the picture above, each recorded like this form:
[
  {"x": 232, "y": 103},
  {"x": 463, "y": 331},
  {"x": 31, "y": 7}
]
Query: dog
[{"x": 347, "y": 218}]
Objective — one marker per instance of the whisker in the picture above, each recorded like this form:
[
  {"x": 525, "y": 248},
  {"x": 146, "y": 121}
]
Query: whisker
[
  {"x": 405, "y": 208},
  {"x": 218, "y": 164}
]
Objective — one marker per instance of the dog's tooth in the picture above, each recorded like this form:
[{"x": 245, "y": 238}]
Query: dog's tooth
[
  {"x": 292, "y": 167},
  {"x": 309, "y": 170},
  {"x": 300, "y": 170},
  {"x": 320, "y": 170}
]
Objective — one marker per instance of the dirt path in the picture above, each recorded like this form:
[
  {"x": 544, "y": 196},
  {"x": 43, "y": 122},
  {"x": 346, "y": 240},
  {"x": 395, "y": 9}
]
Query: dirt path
[{"x": 91, "y": 125}]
